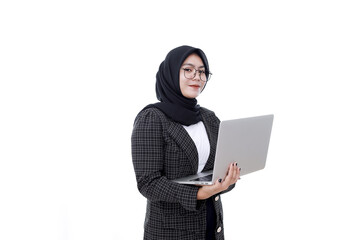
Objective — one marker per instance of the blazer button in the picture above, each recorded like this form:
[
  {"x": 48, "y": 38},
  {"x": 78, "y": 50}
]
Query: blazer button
[
  {"x": 219, "y": 229},
  {"x": 217, "y": 198}
]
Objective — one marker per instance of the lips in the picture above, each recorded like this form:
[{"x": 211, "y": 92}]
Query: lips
[{"x": 194, "y": 86}]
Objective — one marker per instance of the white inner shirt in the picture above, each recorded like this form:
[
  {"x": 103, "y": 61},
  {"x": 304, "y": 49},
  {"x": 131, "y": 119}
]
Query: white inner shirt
[{"x": 198, "y": 134}]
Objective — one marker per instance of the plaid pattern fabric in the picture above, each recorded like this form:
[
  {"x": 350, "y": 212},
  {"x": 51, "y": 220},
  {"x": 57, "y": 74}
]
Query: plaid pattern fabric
[{"x": 162, "y": 150}]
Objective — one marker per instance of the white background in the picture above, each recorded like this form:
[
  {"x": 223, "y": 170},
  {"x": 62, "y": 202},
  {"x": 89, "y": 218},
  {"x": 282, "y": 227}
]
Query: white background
[{"x": 74, "y": 74}]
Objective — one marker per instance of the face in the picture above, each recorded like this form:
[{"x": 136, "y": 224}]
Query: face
[{"x": 191, "y": 88}]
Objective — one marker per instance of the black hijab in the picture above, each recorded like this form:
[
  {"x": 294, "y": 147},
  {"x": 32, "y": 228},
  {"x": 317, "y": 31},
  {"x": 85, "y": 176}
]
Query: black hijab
[{"x": 172, "y": 103}]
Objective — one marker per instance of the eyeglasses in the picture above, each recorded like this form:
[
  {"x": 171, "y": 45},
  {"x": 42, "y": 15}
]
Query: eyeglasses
[{"x": 190, "y": 73}]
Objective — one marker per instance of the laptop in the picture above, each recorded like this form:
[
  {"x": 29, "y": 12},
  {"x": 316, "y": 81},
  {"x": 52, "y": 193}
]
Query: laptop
[{"x": 244, "y": 141}]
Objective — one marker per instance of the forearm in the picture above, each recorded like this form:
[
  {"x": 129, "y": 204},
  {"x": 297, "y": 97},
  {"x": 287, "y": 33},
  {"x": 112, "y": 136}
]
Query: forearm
[
  {"x": 205, "y": 193},
  {"x": 202, "y": 194},
  {"x": 158, "y": 188}
]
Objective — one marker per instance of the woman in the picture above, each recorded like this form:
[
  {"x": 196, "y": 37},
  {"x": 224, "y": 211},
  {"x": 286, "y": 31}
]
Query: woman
[{"x": 175, "y": 138}]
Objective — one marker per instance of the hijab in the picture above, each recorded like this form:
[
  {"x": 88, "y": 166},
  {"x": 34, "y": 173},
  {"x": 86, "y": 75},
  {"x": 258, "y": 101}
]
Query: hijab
[{"x": 172, "y": 103}]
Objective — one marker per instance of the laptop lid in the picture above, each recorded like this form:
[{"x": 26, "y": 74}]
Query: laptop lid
[{"x": 244, "y": 141}]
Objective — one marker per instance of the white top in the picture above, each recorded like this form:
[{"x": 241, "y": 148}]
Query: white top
[{"x": 198, "y": 134}]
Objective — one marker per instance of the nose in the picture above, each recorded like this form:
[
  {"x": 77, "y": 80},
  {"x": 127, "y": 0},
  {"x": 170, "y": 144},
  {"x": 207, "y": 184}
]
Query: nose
[{"x": 197, "y": 76}]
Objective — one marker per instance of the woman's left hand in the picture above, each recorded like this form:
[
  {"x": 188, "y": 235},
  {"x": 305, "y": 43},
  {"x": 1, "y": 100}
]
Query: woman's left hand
[{"x": 232, "y": 176}]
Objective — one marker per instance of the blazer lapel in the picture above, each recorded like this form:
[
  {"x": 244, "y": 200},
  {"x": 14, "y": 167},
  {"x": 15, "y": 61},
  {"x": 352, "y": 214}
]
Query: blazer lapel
[
  {"x": 211, "y": 131},
  {"x": 183, "y": 139}
]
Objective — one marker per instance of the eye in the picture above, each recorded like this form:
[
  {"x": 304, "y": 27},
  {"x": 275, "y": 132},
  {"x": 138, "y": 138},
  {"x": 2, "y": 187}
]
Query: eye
[
  {"x": 188, "y": 69},
  {"x": 202, "y": 71}
]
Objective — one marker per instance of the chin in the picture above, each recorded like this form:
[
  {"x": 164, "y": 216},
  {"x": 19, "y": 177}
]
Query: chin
[{"x": 192, "y": 95}]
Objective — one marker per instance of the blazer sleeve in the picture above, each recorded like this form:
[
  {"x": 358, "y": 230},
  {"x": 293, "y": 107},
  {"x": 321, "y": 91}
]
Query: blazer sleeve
[
  {"x": 147, "y": 144},
  {"x": 231, "y": 187}
]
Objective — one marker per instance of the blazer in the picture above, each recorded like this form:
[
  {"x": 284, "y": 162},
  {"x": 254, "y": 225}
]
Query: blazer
[{"x": 162, "y": 150}]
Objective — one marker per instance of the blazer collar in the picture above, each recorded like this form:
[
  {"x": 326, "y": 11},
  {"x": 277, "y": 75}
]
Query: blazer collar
[
  {"x": 185, "y": 142},
  {"x": 183, "y": 139}
]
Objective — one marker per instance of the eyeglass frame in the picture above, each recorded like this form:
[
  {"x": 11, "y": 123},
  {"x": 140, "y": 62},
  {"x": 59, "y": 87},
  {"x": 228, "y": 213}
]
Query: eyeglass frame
[{"x": 207, "y": 73}]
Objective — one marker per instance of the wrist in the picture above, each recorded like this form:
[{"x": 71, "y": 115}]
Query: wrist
[
  {"x": 204, "y": 193},
  {"x": 201, "y": 194}
]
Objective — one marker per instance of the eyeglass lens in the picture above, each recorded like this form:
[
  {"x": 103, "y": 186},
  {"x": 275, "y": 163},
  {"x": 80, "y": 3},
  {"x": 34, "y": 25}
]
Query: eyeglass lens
[{"x": 190, "y": 73}]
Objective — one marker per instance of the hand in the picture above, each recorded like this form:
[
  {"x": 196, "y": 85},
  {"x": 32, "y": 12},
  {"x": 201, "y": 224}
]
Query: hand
[{"x": 232, "y": 176}]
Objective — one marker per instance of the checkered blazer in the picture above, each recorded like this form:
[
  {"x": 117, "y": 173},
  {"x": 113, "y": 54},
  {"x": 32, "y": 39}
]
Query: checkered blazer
[{"x": 162, "y": 150}]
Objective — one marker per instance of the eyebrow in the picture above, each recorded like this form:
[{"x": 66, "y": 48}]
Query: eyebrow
[{"x": 192, "y": 65}]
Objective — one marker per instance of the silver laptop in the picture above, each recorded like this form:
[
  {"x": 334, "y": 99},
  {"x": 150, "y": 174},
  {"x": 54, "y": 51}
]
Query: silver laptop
[{"x": 244, "y": 141}]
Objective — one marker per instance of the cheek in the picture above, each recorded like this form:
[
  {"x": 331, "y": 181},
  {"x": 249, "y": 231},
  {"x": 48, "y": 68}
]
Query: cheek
[
  {"x": 182, "y": 87},
  {"x": 202, "y": 87},
  {"x": 181, "y": 83}
]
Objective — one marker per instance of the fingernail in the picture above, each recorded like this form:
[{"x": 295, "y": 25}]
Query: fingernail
[
  {"x": 236, "y": 164},
  {"x": 220, "y": 180}
]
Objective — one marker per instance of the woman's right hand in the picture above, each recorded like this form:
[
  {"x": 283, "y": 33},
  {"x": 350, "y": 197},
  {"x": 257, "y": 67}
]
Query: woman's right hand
[{"x": 232, "y": 176}]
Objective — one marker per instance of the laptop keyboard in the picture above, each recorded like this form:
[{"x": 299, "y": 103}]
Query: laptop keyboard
[{"x": 205, "y": 178}]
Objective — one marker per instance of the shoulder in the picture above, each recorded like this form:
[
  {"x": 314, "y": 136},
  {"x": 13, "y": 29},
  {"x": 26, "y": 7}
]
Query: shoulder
[
  {"x": 209, "y": 115},
  {"x": 150, "y": 111},
  {"x": 147, "y": 132},
  {"x": 206, "y": 111},
  {"x": 150, "y": 116}
]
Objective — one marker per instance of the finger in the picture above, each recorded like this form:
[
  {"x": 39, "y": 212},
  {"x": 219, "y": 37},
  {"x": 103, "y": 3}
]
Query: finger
[
  {"x": 230, "y": 177},
  {"x": 229, "y": 169},
  {"x": 235, "y": 171},
  {"x": 238, "y": 173},
  {"x": 218, "y": 183},
  {"x": 229, "y": 174},
  {"x": 234, "y": 174}
]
